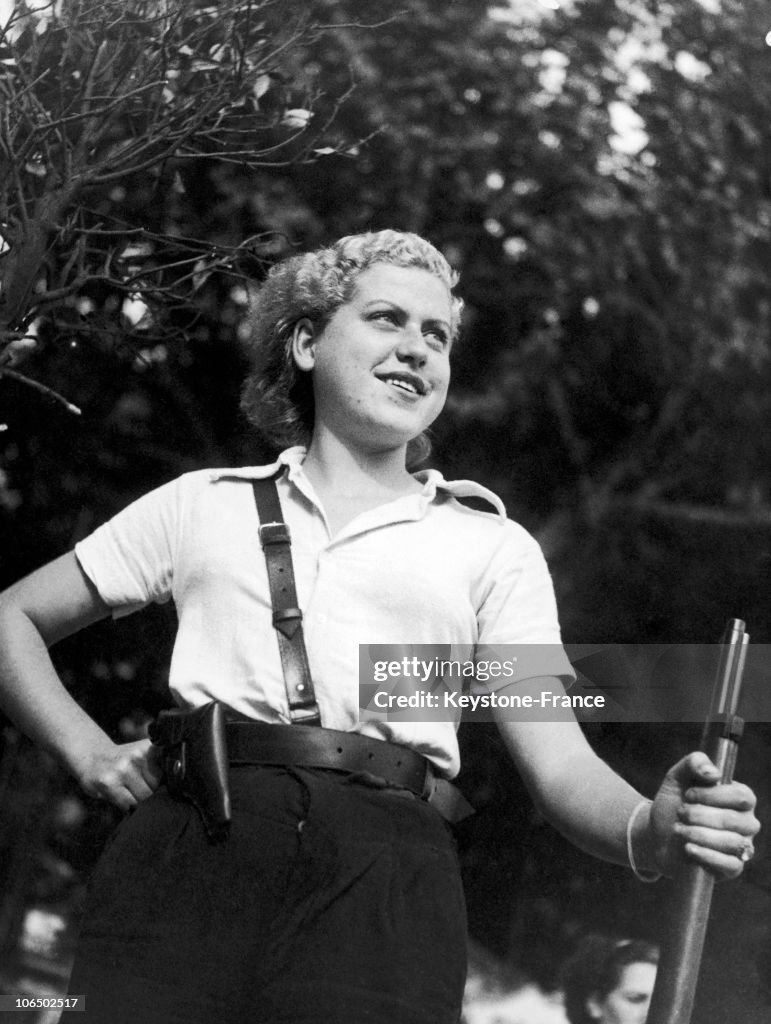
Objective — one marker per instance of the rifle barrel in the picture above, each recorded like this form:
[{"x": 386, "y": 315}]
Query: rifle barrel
[{"x": 675, "y": 989}]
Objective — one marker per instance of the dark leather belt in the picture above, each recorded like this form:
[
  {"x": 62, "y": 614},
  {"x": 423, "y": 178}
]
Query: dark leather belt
[
  {"x": 306, "y": 746},
  {"x": 197, "y": 746}
]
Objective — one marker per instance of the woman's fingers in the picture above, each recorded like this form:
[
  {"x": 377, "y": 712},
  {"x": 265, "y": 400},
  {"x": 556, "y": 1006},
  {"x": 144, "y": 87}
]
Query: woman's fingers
[
  {"x": 124, "y": 774},
  {"x": 723, "y": 865},
  {"x": 729, "y": 794},
  {"x": 719, "y": 817}
]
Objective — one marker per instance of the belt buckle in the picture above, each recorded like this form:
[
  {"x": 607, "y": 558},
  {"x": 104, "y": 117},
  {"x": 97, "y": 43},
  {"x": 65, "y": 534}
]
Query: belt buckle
[{"x": 274, "y": 533}]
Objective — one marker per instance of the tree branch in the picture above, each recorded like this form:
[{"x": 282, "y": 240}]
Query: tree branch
[
  {"x": 696, "y": 515},
  {"x": 42, "y": 388}
]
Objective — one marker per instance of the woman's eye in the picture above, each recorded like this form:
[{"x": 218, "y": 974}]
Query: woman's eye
[
  {"x": 439, "y": 336},
  {"x": 385, "y": 315}
]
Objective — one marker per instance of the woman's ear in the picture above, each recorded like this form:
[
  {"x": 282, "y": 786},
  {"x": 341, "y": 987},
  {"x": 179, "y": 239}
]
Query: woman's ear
[{"x": 304, "y": 344}]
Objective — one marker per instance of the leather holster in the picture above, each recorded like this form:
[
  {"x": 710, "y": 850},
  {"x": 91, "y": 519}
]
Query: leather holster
[{"x": 194, "y": 757}]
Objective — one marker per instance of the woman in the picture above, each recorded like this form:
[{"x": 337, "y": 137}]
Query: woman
[
  {"x": 336, "y": 894},
  {"x": 610, "y": 982}
]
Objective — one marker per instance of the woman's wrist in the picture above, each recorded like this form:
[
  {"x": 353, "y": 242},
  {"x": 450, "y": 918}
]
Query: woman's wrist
[
  {"x": 80, "y": 742},
  {"x": 639, "y": 843}
]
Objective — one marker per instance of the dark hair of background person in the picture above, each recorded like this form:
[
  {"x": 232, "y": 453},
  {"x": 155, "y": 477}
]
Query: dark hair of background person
[{"x": 595, "y": 969}]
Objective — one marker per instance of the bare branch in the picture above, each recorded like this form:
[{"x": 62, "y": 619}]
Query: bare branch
[
  {"x": 695, "y": 514},
  {"x": 108, "y": 90},
  {"x": 42, "y": 388},
  {"x": 575, "y": 446}
]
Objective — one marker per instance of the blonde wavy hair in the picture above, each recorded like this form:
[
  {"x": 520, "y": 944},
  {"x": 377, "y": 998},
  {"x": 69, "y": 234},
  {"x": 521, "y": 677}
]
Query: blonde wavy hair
[{"x": 277, "y": 397}]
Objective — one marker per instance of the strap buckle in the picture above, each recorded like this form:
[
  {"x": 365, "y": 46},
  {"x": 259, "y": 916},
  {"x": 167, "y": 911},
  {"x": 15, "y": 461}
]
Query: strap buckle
[
  {"x": 274, "y": 533},
  {"x": 305, "y": 714},
  {"x": 287, "y": 621}
]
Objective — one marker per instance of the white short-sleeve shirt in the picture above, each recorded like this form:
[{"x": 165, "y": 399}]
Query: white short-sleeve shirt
[{"x": 422, "y": 569}]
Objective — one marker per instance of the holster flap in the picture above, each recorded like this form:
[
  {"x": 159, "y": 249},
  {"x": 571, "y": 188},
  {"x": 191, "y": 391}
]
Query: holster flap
[{"x": 195, "y": 762}]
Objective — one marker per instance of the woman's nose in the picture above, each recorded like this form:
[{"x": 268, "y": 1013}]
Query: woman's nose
[{"x": 412, "y": 345}]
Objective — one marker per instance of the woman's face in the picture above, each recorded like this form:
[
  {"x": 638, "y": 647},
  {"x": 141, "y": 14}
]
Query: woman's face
[
  {"x": 628, "y": 1002},
  {"x": 381, "y": 366}
]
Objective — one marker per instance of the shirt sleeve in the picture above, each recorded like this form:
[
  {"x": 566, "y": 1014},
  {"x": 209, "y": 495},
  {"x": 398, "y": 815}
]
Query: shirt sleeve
[
  {"x": 518, "y": 617},
  {"x": 130, "y": 559}
]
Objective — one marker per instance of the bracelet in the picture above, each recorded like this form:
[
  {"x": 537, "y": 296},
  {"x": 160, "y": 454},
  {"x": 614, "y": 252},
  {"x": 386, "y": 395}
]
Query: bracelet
[{"x": 644, "y": 876}]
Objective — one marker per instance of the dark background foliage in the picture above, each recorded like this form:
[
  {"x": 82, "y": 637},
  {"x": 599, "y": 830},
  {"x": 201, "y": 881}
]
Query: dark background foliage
[{"x": 612, "y": 384}]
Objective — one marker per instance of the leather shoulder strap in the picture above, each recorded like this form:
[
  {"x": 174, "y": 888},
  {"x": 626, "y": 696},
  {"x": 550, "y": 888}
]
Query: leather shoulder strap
[{"x": 287, "y": 617}]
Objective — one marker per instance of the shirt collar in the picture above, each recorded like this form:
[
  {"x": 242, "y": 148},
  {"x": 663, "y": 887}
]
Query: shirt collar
[
  {"x": 291, "y": 457},
  {"x": 431, "y": 479}
]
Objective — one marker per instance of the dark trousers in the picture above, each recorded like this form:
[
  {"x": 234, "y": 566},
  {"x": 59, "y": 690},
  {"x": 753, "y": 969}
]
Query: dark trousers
[{"x": 331, "y": 902}]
